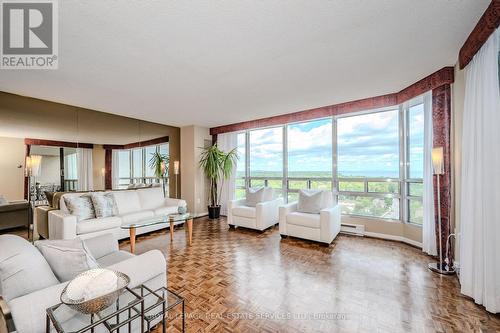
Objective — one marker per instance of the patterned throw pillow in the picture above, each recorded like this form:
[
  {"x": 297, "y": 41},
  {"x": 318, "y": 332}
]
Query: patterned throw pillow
[
  {"x": 104, "y": 204},
  {"x": 80, "y": 206}
]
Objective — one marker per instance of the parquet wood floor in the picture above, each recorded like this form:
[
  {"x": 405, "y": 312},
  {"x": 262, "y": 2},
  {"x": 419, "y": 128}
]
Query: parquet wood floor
[{"x": 245, "y": 281}]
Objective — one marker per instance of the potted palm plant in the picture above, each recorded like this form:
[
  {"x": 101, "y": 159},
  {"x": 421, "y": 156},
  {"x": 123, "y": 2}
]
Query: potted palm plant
[
  {"x": 159, "y": 164},
  {"x": 217, "y": 166}
]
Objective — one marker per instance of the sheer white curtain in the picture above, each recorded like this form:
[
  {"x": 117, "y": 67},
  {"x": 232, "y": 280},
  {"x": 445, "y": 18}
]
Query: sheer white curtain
[
  {"x": 84, "y": 167},
  {"x": 480, "y": 196},
  {"x": 115, "y": 169},
  {"x": 429, "y": 224},
  {"x": 227, "y": 142}
]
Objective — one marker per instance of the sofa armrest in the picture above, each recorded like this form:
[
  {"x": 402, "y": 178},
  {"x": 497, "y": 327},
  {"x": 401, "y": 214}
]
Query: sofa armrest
[
  {"x": 284, "y": 210},
  {"x": 172, "y": 202},
  {"x": 143, "y": 268},
  {"x": 329, "y": 223},
  {"x": 267, "y": 213},
  {"x": 62, "y": 225},
  {"x": 28, "y": 311},
  {"x": 230, "y": 205}
]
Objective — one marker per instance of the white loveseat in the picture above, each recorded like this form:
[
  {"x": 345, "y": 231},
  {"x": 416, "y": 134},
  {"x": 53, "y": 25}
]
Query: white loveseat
[
  {"x": 132, "y": 206},
  {"x": 322, "y": 227},
  {"x": 260, "y": 217}
]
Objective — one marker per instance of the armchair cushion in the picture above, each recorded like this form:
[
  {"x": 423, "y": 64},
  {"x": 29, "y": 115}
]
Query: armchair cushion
[
  {"x": 102, "y": 245},
  {"x": 244, "y": 211},
  {"x": 23, "y": 269},
  {"x": 304, "y": 219}
]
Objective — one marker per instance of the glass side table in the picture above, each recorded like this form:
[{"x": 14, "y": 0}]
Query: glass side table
[{"x": 136, "y": 310}]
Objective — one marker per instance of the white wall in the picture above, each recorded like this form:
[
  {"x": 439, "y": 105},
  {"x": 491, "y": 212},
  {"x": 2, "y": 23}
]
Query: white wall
[{"x": 193, "y": 181}]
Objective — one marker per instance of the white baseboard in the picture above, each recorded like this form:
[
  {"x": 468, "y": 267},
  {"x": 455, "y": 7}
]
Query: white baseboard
[{"x": 393, "y": 237}]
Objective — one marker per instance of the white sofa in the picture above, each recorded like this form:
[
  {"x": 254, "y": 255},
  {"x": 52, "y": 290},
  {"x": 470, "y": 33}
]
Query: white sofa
[
  {"x": 322, "y": 227},
  {"x": 260, "y": 217},
  {"x": 25, "y": 313},
  {"x": 132, "y": 206}
]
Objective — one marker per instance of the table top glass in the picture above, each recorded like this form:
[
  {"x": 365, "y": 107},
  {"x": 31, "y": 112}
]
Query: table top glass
[
  {"x": 158, "y": 220},
  {"x": 127, "y": 309}
]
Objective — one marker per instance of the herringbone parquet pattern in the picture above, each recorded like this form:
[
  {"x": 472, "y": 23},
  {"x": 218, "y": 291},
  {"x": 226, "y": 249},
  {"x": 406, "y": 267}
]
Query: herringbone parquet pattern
[{"x": 245, "y": 281}]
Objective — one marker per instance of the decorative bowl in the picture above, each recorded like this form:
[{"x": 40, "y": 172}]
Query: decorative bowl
[
  {"x": 182, "y": 210},
  {"x": 99, "y": 303}
]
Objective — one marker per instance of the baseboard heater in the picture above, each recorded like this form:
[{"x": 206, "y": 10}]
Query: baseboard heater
[{"x": 352, "y": 229}]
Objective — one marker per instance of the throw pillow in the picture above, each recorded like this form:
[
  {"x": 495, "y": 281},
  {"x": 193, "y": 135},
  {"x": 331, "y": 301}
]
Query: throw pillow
[
  {"x": 67, "y": 257},
  {"x": 80, "y": 206},
  {"x": 104, "y": 204},
  {"x": 254, "y": 196},
  {"x": 310, "y": 201}
]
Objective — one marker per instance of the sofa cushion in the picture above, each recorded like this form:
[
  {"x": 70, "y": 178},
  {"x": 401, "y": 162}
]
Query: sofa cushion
[
  {"x": 166, "y": 210},
  {"x": 244, "y": 211},
  {"x": 23, "y": 269},
  {"x": 114, "y": 258},
  {"x": 304, "y": 219},
  {"x": 310, "y": 201},
  {"x": 137, "y": 216},
  {"x": 151, "y": 198},
  {"x": 80, "y": 206},
  {"x": 67, "y": 257},
  {"x": 104, "y": 204},
  {"x": 93, "y": 225},
  {"x": 127, "y": 201}
]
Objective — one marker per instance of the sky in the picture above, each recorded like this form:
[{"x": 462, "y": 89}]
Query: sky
[{"x": 368, "y": 145}]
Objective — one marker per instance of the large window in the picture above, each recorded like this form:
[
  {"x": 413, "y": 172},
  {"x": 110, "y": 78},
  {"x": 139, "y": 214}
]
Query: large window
[
  {"x": 309, "y": 146},
  {"x": 266, "y": 158},
  {"x": 368, "y": 164},
  {"x": 373, "y": 160},
  {"x": 415, "y": 162},
  {"x": 134, "y": 165}
]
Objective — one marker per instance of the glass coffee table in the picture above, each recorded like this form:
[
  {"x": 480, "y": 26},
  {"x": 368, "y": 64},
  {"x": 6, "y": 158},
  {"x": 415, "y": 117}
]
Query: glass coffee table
[
  {"x": 171, "y": 218},
  {"x": 136, "y": 310}
]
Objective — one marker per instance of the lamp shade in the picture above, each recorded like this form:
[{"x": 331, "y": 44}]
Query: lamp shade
[
  {"x": 176, "y": 167},
  {"x": 437, "y": 160}
]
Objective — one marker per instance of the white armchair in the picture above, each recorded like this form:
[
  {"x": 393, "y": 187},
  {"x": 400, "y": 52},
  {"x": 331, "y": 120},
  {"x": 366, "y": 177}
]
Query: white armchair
[
  {"x": 322, "y": 227},
  {"x": 262, "y": 216}
]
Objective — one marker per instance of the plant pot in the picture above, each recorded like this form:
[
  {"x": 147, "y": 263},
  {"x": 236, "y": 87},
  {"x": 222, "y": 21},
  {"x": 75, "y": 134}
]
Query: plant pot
[{"x": 213, "y": 212}]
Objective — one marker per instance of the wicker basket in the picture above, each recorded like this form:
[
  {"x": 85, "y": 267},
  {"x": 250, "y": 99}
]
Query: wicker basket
[{"x": 96, "y": 304}]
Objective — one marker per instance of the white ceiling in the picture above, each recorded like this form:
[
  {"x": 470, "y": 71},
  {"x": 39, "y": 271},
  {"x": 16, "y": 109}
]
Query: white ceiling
[{"x": 212, "y": 63}]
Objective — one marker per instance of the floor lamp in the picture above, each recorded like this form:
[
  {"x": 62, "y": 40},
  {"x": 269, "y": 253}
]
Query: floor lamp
[
  {"x": 176, "y": 173},
  {"x": 438, "y": 167},
  {"x": 33, "y": 168}
]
